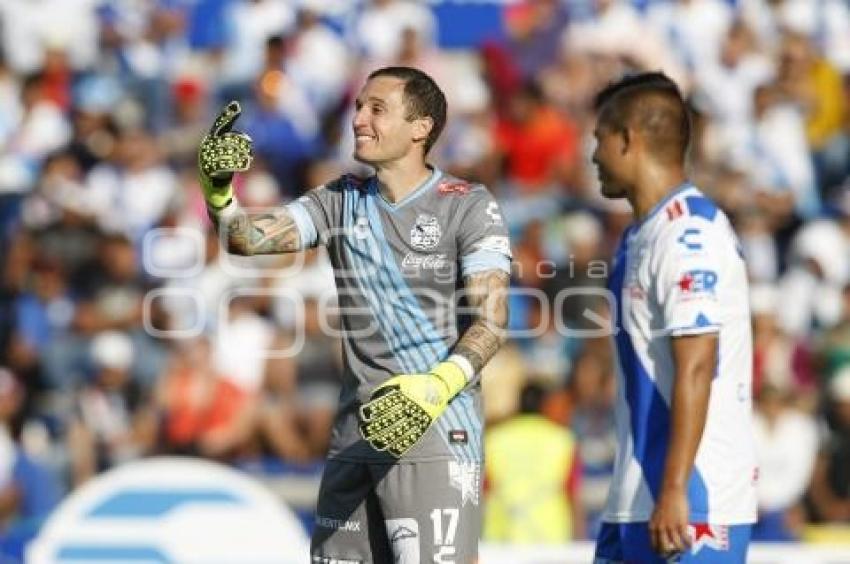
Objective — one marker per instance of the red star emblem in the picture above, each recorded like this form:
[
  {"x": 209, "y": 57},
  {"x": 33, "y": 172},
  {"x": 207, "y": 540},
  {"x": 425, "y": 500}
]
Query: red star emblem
[
  {"x": 703, "y": 534},
  {"x": 702, "y": 530},
  {"x": 686, "y": 282}
]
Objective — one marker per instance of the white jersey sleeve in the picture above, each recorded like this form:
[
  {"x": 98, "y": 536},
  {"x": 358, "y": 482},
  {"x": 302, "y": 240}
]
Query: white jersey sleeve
[{"x": 687, "y": 271}]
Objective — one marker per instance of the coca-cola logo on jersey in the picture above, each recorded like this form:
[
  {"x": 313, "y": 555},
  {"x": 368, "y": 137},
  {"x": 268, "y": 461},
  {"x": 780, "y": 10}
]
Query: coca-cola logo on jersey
[{"x": 425, "y": 262}]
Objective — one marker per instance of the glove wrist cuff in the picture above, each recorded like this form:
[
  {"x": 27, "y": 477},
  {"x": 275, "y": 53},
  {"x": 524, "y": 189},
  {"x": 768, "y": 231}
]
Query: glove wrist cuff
[
  {"x": 453, "y": 373},
  {"x": 217, "y": 197},
  {"x": 222, "y": 213}
]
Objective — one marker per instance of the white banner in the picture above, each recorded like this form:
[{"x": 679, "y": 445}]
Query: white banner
[{"x": 582, "y": 553}]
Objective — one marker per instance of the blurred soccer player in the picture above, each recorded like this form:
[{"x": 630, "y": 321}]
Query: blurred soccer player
[
  {"x": 402, "y": 243},
  {"x": 684, "y": 480}
]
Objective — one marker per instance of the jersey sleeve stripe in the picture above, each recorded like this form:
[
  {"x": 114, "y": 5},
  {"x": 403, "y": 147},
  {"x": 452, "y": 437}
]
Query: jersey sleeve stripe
[
  {"x": 694, "y": 330},
  {"x": 309, "y": 236},
  {"x": 482, "y": 260}
]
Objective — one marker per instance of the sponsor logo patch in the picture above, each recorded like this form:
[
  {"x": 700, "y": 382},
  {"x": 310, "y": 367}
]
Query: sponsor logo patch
[
  {"x": 689, "y": 239},
  {"x": 458, "y": 187},
  {"x": 334, "y": 560},
  {"x": 466, "y": 478},
  {"x": 695, "y": 282},
  {"x": 404, "y": 539},
  {"x": 457, "y": 436},
  {"x": 338, "y": 524},
  {"x": 425, "y": 262},
  {"x": 494, "y": 214}
]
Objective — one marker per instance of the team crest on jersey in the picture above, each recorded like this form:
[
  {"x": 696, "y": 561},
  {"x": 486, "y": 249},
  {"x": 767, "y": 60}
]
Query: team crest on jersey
[
  {"x": 466, "y": 478},
  {"x": 426, "y": 232},
  {"x": 715, "y": 537}
]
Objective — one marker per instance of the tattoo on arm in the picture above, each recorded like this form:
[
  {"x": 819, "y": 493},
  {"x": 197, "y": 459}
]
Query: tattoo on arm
[
  {"x": 487, "y": 294},
  {"x": 262, "y": 233}
]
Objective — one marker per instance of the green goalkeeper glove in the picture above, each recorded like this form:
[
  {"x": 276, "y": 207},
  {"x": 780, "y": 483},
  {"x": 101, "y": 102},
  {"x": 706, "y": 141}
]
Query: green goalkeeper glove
[
  {"x": 223, "y": 152},
  {"x": 404, "y": 407}
]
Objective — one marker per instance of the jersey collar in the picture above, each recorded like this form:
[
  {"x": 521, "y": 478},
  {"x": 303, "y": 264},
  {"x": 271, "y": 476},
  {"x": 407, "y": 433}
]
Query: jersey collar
[
  {"x": 663, "y": 203},
  {"x": 420, "y": 190}
]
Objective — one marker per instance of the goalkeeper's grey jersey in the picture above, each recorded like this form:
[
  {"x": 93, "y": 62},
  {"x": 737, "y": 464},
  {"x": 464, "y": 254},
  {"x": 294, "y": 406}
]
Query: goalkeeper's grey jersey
[{"x": 399, "y": 270}]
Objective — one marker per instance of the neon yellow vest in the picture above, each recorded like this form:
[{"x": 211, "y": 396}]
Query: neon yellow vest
[{"x": 528, "y": 460}]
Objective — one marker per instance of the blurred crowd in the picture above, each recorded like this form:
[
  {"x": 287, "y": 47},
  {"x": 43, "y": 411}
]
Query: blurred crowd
[{"x": 126, "y": 330}]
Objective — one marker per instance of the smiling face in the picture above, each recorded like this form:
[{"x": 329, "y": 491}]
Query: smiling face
[{"x": 382, "y": 131}]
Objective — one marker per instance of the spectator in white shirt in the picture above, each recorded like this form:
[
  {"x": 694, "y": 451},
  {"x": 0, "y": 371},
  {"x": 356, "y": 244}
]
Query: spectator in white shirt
[
  {"x": 253, "y": 22},
  {"x": 618, "y": 31},
  {"x": 378, "y": 31},
  {"x": 32, "y": 25},
  {"x": 243, "y": 343},
  {"x": 826, "y": 22},
  {"x": 724, "y": 87},
  {"x": 694, "y": 28},
  {"x": 42, "y": 128},
  {"x": 786, "y": 445},
  {"x": 133, "y": 192},
  {"x": 318, "y": 61}
]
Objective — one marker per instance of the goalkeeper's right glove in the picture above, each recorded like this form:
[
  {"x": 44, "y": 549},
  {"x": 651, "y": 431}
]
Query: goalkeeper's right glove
[{"x": 223, "y": 152}]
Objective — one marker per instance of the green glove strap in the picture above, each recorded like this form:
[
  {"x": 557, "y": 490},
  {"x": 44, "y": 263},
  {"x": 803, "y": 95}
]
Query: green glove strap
[
  {"x": 216, "y": 197},
  {"x": 452, "y": 376}
]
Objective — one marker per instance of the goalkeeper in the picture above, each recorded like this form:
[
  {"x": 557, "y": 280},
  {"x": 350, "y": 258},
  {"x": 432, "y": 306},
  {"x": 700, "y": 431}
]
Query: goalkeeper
[{"x": 422, "y": 266}]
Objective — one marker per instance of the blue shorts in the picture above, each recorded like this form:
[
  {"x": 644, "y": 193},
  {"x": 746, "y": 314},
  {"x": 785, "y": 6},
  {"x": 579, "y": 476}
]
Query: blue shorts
[{"x": 628, "y": 543}]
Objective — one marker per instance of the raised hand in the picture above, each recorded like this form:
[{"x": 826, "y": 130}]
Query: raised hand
[{"x": 221, "y": 154}]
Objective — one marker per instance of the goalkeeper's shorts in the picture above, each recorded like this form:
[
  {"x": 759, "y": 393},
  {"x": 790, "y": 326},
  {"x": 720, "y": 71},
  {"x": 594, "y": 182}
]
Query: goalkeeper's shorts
[{"x": 398, "y": 513}]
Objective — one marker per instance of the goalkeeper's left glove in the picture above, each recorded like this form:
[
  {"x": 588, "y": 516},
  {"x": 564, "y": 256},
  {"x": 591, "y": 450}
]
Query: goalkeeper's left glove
[
  {"x": 404, "y": 407},
  {"x": 223, "y": 152}
]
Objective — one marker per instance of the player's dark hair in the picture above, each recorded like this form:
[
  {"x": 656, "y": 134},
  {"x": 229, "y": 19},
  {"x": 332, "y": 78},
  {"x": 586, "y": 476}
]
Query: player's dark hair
[
  {"x": 422, "y": 98},
  {"x": 652, "y": 103}
]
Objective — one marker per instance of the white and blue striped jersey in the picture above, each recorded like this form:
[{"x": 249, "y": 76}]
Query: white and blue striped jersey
[{"x": 679, "y": 272}]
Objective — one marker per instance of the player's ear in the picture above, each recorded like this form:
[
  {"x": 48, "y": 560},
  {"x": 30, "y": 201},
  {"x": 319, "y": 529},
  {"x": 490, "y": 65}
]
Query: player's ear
[
  {"x": 422, "y": 128},
  {"x": 627, "y": 139}
]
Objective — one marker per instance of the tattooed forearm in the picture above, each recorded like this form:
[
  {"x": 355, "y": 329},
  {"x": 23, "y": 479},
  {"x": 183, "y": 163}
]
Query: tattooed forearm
[
  {"x": 487, "y": 294},
  {"x": 262, "y": 233}
]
